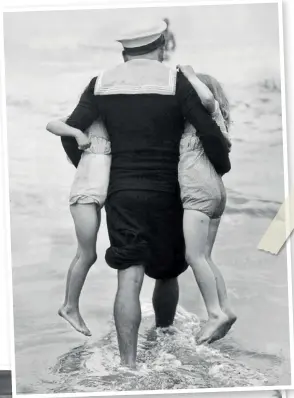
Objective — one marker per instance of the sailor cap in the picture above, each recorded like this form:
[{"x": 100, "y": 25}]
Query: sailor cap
[{"x": 144, "y": 38}]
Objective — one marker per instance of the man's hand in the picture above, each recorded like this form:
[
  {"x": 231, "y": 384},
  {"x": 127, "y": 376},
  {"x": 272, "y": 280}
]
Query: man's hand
[
  {"x": 229, "y": 143},
  {"x": 83, "y": 141}
]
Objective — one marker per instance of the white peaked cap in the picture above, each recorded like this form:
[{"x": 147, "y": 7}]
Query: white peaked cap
[{"x": 142, "y": 34}]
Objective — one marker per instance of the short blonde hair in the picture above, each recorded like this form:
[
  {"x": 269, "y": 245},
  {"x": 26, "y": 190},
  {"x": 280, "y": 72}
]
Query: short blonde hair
[{"x": 219, "y": 94}]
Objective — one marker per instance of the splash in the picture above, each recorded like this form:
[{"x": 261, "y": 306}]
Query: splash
[{"x": 167, "y": 359}]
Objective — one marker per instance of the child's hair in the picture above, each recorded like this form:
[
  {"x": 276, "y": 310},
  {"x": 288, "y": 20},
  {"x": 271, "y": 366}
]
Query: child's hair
[{"x": 219, "y": 94}]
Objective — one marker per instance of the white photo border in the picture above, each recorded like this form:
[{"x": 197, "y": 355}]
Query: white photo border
[{"x": 106, "y": 4}]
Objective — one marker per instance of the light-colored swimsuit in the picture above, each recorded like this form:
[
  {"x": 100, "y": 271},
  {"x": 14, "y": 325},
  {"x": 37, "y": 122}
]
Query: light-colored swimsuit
[
  {"x": 202, "y": 189},
  {"x": 91, "y": 180}
]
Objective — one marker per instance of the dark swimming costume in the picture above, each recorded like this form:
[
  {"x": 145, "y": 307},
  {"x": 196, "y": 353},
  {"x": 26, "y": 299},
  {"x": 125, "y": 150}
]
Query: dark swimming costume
[{"x": 145, "y": 228}]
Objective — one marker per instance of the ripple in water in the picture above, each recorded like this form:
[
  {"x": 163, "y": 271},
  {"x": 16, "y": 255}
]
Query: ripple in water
[
  {"x": 167, "y": 359},
  {"x": 251, "y": 206}
]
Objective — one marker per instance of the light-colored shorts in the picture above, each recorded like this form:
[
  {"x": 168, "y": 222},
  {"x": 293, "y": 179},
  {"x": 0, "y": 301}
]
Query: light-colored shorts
[
  {"x": 202, "y": 189},
  {"x": 91, "y": 181}
]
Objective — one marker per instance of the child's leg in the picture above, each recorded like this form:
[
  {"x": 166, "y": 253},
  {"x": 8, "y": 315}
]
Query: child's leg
[
  {"x": 72, "y": 264},
  {"x": 196, "y": 226},
  {"x": 220, "y": 282},
  {"x": 87, "y": 221}
]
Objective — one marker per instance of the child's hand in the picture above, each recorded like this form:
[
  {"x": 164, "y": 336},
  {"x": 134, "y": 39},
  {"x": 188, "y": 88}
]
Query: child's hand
[
  {"x": 83, "y": 141},
  {"x": 187, "y": 70},
  {"x": 204, "y": 93}
]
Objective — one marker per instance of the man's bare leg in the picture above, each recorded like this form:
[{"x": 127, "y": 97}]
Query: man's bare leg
[
  {"x": 127, "y": 313},
  {"x": 165, "y": 300}
]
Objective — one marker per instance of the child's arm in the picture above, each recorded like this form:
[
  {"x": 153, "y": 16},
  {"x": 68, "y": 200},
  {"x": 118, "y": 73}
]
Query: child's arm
[
  {"x": 60, "y": 128},
  {"x": 207, "y": 100},
  {"x": 205, "y": 95}
]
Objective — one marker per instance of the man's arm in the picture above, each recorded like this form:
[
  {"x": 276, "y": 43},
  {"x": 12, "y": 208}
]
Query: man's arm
[
  {"x": 85, "y": 113},
  {"x": 209, "y": 133}
]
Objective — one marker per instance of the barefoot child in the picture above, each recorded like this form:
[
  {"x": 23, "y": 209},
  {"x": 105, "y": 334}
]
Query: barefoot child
[
  {"x": 87, "y": 197},
  {"x": 204, "y": 198}
]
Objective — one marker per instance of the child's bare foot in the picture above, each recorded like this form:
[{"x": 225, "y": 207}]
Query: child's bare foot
[
  {"x": 226, "y": 328},
  {"x": 212, "y": 328},
  {"x": 232, "y": 318},
  {"x": 73, "y": 317}
]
